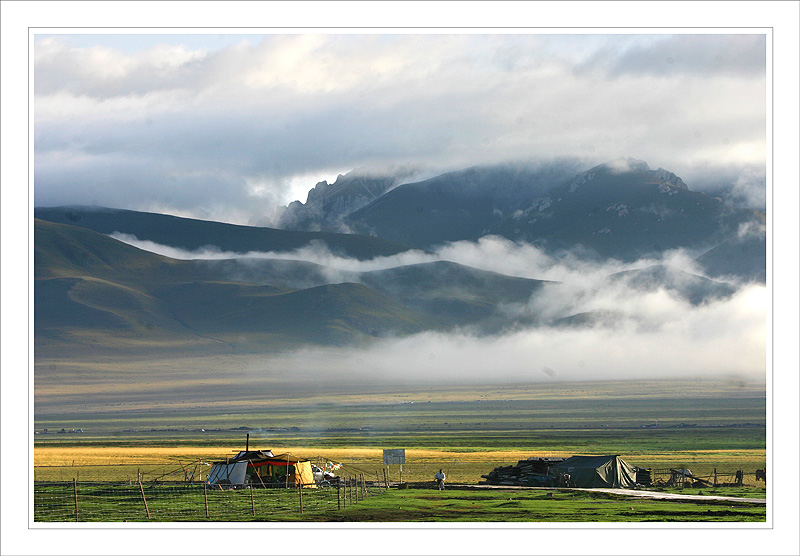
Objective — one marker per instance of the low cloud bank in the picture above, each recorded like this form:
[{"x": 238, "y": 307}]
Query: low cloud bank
[
  {"x": 498, "y": 254},
  {"x": 628, "y": 325},
  {"x": 726, "y": 338},
  {"x": 316, "y": 252},
  {"x": 490, "y": 253}
]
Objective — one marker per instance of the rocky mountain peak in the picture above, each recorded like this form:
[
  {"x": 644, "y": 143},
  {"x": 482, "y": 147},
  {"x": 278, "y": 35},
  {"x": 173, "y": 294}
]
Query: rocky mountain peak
[{"x": 670, "y": 178}]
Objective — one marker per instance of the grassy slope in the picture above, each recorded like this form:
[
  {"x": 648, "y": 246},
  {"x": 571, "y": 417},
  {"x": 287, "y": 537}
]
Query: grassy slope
[
  {"x": 463, "y": 294},
  {"x": 91, "y": 290},
  {"x": 187, "y": 233}
]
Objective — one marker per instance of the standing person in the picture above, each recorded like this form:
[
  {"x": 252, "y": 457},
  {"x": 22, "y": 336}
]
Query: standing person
[{"x": 440, "y": 477}]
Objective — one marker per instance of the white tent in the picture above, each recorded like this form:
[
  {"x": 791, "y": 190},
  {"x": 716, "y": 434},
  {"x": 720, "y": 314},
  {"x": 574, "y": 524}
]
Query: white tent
[{"x": 228, "y": 473}]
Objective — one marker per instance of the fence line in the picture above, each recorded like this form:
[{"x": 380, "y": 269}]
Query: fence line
[
  {"x": 739, "y": 477},
  {"x": 115, "y": 502}
]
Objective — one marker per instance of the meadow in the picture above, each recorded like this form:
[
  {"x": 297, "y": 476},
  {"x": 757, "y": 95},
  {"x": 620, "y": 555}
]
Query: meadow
[
  {"x": 469, "y": 430},
  {"x": 183, "y": 503}
]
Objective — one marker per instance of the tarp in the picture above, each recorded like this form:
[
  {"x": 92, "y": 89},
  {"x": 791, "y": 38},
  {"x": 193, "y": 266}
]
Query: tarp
[
  {"x": 228, "y": 474},
  {"x": 597, "y": 472}
]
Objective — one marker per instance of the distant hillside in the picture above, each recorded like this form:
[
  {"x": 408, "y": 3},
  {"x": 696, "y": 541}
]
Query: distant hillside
[
  {"x": 71, "y": 251},
  {"x": 693, "y": 288},
  {"x": 740, "y": 257},
  {"x": 190, "y": 234},
  {"x": 622, "y": 209},
  {"x": 460, "y": 294},
  {"x": 93, "y": 292}
]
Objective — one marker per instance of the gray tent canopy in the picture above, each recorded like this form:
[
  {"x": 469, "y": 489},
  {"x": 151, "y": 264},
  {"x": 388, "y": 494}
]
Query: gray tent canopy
[{"x": 597, "y": 472}]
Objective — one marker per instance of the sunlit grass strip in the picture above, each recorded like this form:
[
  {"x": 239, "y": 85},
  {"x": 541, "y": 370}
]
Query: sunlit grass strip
[{"x": 108, "y": 455}]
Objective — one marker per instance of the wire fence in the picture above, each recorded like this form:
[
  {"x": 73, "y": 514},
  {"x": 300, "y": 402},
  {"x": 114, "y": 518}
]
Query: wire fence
[
  {"x": 117, "y": 502},
  {"x": 457, "y": 471},
  {"x": 722, "y": 478}
]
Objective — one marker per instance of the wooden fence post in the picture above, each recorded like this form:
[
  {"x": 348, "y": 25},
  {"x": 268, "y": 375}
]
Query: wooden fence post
[
  {"x": 338, "y": 498},
  {"x": 205, "y": 496},
  {"x": 75, "y": 489},
  {"x": 300, "y": 488},
  {"x": 144, "y": 500},
  {"x": 252, "y": 499}
]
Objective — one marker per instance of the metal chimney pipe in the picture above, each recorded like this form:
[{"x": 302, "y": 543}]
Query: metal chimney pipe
[{"x": 247, "y": 445}]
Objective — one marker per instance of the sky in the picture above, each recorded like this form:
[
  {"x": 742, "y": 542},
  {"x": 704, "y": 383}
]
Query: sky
[{"x": 229, "y": 127}]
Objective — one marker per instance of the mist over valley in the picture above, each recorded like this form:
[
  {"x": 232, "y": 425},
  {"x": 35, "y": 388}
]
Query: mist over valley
[{"x": 508, "y": 276}]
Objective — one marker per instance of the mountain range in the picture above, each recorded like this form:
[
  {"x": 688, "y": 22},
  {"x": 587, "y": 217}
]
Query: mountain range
[
  {"x": 94, "y": 292},
  {"x": 622, "y": 209}
]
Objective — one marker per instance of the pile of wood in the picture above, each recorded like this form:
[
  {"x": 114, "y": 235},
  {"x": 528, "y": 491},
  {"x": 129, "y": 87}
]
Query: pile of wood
[{"x": 527, "y": 472}]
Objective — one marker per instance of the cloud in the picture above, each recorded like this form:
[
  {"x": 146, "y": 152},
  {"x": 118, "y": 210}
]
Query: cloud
[
  {"x": 720, "y": 339},
  {"x": 315, "y": 252},
  {"x": 750, "y": 189},
  {"x": 643, "y": 329},
  {"x": 498, "y": 254},
  {"x": 665, "y": 56},
  {"x": 490, "y": 253},
  {"x": 226, "y": 131}
]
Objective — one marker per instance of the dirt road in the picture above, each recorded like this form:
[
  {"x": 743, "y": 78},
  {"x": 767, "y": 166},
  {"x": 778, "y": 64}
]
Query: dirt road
[{"x": 654, "y": 495}]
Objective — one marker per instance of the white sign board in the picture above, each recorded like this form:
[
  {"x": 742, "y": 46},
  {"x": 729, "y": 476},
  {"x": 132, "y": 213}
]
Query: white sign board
[{"x": 394, "y": 457}]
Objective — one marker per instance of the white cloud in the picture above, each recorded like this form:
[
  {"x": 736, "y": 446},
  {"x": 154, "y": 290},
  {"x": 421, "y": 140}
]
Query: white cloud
[
  {"x": 295, "y": 105},
  {"x": 651, "y": 332},
  {"x": 720, "y": 339},
  {"x": 315, "y": 252}
]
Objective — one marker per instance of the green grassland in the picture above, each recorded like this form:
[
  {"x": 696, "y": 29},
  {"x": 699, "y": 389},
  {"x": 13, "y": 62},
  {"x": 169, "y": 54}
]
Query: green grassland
[
  {"x": 188, "y": 233},
  {"x": 537, "y": 506},
  {"x": 173, "y": 417},
  {"x": 109, "y": 503}
]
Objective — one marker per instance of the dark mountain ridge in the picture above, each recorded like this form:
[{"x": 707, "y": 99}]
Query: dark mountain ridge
[
  {"x": 328, "y": 203},
  {"x": 622, "y": 210},
  {"x": 461, "y": 205},
  {"x": 191, "y": 234}
]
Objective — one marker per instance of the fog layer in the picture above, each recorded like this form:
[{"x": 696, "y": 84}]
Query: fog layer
[{"x": 589, "y": 322}]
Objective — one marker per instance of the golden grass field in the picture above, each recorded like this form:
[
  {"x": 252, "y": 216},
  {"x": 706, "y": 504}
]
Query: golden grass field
[
  {"x": 124, "y": 463},
  {"x": 144, "y": 455}
]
